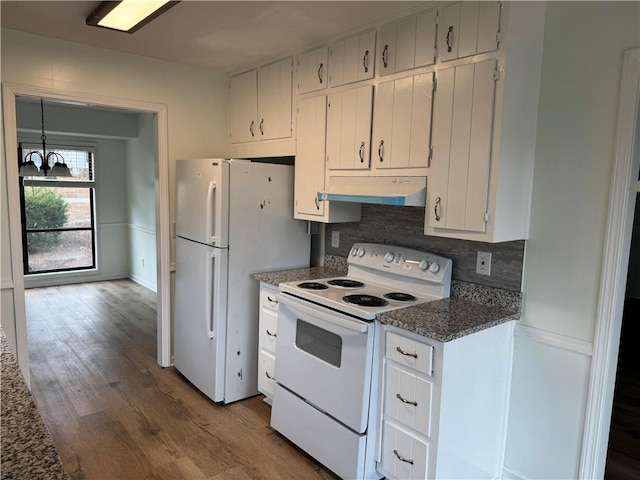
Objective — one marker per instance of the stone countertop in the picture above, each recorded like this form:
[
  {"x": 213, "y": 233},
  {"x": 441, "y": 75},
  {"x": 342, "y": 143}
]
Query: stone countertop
[
  {"x": 470, "y": 309},
  {"x": 27, "y": 448},
  {"x": 448, "y": 319}
]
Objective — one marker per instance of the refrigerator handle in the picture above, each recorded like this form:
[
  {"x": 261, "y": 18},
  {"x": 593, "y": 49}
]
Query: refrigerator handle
[
  {"x": 211, "y": 212},
  {"x": 211, "y": 297}
]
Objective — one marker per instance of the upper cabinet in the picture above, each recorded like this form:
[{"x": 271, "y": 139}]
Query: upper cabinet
[
  {"x": 353, "y": 59},
  {"x": 260, "y": 103},
  {"x": 468, "y": 28},
  {"x": 408, "y": 43},
  {"x": 312, "y": 70},
  {"x": 402, "y": 123}
]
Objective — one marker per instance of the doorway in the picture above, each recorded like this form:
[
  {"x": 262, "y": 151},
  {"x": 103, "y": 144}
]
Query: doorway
[{"x": 161, "y": 180}]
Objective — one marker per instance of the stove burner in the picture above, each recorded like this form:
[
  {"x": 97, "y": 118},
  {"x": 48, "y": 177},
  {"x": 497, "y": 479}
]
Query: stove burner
[
  {"x": 365, "y": 300},
  {"x": 345, "y": 282},
  {"x": 399, "y": 296},
  {"x": 312, "y": 286}
]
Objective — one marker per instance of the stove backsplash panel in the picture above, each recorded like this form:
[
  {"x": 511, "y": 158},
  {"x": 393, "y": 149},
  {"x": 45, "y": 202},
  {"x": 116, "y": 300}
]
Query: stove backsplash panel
[{"x": 403, "y": 226}]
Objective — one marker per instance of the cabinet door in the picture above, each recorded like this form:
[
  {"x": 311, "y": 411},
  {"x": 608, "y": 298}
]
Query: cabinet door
[
  {"x": 425, "y": 38},
  {"x": 468, "y": 28},
  {"x": 351, "y": 60},
  {"x": 387, "y": 50},
  {"x": 312, "y": 70},
  {"x": 274, "y": 100},
  {"x": 310, "y": 156},
  {"x": 366, "y": 55},
  {"x": 402, "y": 122},
  {"x": 349, "y": 129},
  {"x": 461, "y": 141},
  {"x": 243, "y": 101}
]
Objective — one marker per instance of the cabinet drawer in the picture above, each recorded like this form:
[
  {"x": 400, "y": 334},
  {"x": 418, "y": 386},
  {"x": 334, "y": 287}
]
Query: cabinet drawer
[
  {"x": 411, "y": 353},
  {"x": 408, "y": 399},
  {"x": 268, "y": 299},
  {"x": 266, "y": 363},
  {"x": 268, "y": 330},
  {"x": 403, "y": 455}
]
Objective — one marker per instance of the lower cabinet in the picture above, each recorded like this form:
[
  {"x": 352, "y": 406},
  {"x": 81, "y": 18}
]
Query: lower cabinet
[
  {"x": 444, "y": 405},
  {"x": 268, "y": 325}
]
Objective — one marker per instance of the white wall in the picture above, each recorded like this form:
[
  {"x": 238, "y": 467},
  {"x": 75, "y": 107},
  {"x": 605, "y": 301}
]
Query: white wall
[
  {"x": 141, "y": 214},
  {"x": 582, "y": 62}
]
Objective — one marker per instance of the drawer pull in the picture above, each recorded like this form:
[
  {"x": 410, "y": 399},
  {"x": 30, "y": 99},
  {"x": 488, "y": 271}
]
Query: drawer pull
[
  {"x": 410, "y": 402},
  {"x": 271, "y": 334},
  {"x": 272, "y": 300},
  {"x": 401, "y": 458},
  {"x": 406, "y": 354},
  {"x": 268, "y": 376}
]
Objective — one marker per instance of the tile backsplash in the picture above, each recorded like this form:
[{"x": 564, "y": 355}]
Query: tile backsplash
[{"x": 403, "y": 226}]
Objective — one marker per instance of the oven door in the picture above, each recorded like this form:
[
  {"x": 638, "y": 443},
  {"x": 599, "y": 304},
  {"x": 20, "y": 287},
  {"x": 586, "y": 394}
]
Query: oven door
[{"x": 326, "y": 358}]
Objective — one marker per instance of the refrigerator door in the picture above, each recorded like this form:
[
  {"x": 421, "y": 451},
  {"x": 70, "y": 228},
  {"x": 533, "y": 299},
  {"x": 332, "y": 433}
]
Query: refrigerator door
[
  {"x": 202, "y": 201},
  {"x": 200, "y": 315}
]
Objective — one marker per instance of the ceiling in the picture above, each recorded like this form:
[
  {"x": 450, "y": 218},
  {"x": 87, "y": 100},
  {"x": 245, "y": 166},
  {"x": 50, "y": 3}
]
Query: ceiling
[{"x": 226, "y": 35}]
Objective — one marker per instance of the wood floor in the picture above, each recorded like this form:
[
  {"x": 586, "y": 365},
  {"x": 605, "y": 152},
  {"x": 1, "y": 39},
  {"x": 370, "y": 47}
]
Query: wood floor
[{"x": 115, "y": 414}]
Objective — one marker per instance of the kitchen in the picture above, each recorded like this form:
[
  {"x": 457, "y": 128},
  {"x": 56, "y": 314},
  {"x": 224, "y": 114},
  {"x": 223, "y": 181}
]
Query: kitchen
[{"x": 562, "y": 259}]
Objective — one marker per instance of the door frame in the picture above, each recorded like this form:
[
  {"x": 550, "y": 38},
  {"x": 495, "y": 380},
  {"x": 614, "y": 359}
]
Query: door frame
[
  {"x": 615, "y": 263},
  {"x": 9, "y": 93}
]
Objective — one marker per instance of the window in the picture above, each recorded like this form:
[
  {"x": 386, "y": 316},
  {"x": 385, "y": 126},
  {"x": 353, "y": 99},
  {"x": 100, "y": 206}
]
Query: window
[{"x": 58, "y": 214}]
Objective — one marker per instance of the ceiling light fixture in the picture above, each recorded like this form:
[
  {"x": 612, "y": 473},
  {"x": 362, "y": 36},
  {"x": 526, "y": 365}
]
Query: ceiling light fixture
[
  {"x": 28, "y": 168},
  {"x": 127, "y": 15}
]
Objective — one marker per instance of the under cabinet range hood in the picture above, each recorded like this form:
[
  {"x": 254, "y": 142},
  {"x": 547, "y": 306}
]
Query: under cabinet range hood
[{"x": 399, "y": 191}]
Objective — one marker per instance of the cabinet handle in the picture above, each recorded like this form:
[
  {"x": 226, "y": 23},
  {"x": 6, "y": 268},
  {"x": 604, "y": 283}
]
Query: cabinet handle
[
  {"x": 380, "y": 150},
  {"x": 262, "y": 126},
  {"x": 268, "y": 376},
  {"x": 361, "y": 152},
  {"x": 450, "y": 39},
  {"x": 317, "y": 204},
  {"x": 385, "y": 55},
  {"x": 406, "y": 354},
  {"x": 401, "y": 458},
  {"x": 272, "y": 300},
  {"x": 437, "y": 208},
  {"x": 399, "y": 397},
  {"x": 365, "y": 61},
  {"x": 320, "y": 73},
  {"x": 271, "y": 334},
  {"x": 251, "y": 128}
]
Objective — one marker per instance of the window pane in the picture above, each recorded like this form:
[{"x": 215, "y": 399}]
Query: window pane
[
  {"x": 57, "y": 207},
  {"x": 59, "y": 250}
]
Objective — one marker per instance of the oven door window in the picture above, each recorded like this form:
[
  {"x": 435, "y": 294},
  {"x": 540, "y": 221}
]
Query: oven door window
[{"x": 320, "y": 343}]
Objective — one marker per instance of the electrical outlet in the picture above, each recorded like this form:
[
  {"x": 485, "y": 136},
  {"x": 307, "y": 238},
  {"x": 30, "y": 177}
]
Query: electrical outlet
[
  {"x": 335, "y": 239},
  {"x": 483, "y": 263}
]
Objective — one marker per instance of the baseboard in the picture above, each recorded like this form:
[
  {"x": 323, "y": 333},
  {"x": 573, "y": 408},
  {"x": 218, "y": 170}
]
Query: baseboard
[
  {"x": 143, "y": 282},
  {"x": 509, "y": 474},
  {"x": 55, "y": 279}
]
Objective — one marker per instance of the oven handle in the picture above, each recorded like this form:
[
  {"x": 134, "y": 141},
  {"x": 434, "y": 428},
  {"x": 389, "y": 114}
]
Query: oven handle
[{"x": 321, "y": 314}]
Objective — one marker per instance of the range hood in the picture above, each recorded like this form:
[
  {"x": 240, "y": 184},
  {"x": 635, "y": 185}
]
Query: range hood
[{"x": 399, "y": 191}]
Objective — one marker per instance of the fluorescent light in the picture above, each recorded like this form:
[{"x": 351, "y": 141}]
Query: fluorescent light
[{"x": 127, "y": 15}]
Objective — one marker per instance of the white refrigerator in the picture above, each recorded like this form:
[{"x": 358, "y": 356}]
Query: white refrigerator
[{"x": 234, "y": 218}]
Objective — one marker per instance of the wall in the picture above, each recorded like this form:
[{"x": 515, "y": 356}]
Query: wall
[
  {"x": 581, "y": 72},
  {"x": 141, "y": 212},
  {"x": 404, "y": 226},
  {"x": 633, "y": 276}
]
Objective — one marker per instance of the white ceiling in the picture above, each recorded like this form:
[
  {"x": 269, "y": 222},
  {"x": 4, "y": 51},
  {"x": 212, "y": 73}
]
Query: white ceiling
[{"x": 226, "y": 35}]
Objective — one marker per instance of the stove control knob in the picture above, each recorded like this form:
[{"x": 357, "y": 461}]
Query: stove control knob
[
  {"x": 361, "y": 252},
  {"x": 434, "y": 267},
  {"x": 354, "y": 251},
  {"x": 423, "y": 265},
  {"x": 389, "y": 256}
]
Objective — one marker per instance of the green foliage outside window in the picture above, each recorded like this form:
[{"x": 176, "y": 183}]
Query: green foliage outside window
[{"x": 44, "y": 208}]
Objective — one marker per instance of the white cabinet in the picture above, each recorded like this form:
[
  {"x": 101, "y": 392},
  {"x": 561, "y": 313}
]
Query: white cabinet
[
  {"x": 310, "y": 168},
  {"x": 468, "y": 28},
  {"x": 353, "y": 59},
  {"x": 402, "y": 122},
  {"x": 349, "y": 129},
  {"x": 268, "y": 331},
  {"x": 408, "y": 43},
  {"x": 260, "y": 103},
  {"x": 443, "y": 406},
  {"x": 312, "y": 70},
  {"x": 462, "y": 132}
]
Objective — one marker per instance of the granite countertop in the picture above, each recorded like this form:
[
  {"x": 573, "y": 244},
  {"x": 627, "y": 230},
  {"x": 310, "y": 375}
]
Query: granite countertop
[
  {"x": 27, "y": 448},
  {"x": 470, "y": 309}
]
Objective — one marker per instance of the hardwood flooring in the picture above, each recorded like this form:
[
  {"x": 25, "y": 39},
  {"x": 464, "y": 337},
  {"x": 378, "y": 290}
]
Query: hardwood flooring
[
  {"x": 114, "y": 413},
  {"x": 623, "y": 458}
]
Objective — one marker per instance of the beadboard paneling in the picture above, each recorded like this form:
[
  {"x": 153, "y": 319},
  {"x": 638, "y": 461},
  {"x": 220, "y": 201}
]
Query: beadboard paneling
[{"x": 403, "y": 226}]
